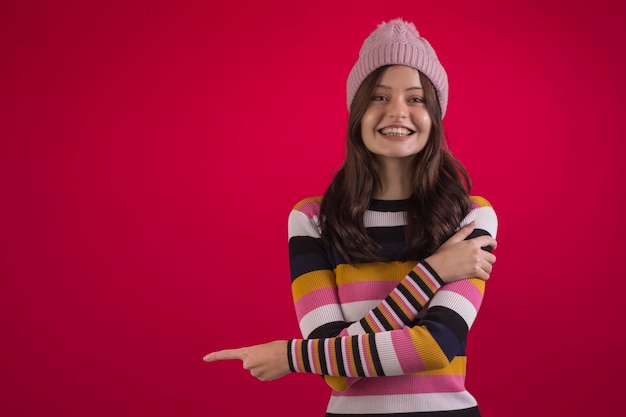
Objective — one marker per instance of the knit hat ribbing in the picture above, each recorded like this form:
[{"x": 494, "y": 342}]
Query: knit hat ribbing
[{"x": 398, "y": 43}]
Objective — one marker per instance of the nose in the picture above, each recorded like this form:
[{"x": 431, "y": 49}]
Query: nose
[{"x": 397, "y": 109}]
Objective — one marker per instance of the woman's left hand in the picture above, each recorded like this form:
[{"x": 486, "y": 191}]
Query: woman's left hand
[{"x": 265, "y": 362}]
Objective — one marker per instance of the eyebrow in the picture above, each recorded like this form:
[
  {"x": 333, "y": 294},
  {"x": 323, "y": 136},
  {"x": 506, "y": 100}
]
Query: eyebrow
[{"x": 389, "y": 88}]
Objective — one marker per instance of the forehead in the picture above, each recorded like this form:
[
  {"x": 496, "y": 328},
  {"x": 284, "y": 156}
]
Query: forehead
[{"x": 400, "y": 75}]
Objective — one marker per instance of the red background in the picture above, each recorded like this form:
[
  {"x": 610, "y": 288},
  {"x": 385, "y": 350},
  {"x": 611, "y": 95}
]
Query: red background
[{"x": 150, "y": 153}]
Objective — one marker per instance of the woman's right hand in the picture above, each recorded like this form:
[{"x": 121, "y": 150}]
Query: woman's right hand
[{"x": 459, "y": 259}]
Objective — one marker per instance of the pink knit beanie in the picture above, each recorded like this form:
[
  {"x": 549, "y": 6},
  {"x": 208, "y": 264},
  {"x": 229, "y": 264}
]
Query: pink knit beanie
[{"x": 399, "y": 43}]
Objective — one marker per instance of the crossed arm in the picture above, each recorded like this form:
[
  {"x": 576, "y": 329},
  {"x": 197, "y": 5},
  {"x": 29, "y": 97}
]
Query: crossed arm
[{"x": 389, "y": 340}]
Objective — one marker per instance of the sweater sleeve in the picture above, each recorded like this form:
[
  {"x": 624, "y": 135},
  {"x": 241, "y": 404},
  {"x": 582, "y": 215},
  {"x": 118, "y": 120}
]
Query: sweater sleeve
[{"x": 428, "y": 344}]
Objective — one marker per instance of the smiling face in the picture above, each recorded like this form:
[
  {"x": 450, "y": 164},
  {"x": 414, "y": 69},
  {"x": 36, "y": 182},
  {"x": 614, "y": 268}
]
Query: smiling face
[{"x": 396, "y": 123}]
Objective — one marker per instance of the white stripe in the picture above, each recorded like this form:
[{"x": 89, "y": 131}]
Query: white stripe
[
  {"x": 355, "y": 329},
  {"x": 456, "y": 302},
  {"x": 357, "y": 309},
  {"x": 321, "y": 315},
  {"x": 384, "y": 218},
  {"x": 387, "y": 354},
  {"x": 294, "y": 357},
  {"x": 417, "y": 289},
  {"x": 300, "y": 225},
  {"x": 485, "y": 218},
  {"x": 402, "y": 403}
]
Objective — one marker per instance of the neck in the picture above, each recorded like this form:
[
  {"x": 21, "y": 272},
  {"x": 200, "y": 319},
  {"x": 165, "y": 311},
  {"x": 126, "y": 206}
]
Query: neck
[{"x": 395, "y": 177}]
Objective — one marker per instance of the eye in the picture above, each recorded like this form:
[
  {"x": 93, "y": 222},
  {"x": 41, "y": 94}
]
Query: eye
[
  {"x": 379, "y": 97},
  {"x": 416, "y": 100}
]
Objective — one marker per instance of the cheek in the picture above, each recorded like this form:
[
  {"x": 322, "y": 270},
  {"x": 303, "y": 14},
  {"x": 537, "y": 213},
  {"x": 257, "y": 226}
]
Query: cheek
[{"x": 424, "y": 122}]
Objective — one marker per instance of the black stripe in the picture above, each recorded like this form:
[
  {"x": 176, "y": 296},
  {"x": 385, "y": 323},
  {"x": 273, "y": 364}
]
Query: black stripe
[
  {"x": 418, "y": 281},
  {"x": 374, "y": 352},
  {"x": 382, "y": 319},
  {"x": 396, "y": 308},
  {"x": 448, "y": 329},
  {"x": 450, "y": 318},
  {"x": 340, "y": 367},
  {"x": 389, "y": 205},
  {"x": 331, "y": 329},
  {"x": 480, "y": 232},
  {"x": 356, "y": 356},
  {"x": 322, "y": 356},
  {"x": 303, "y": 245},
  {"x": 432, "y": 271},
  {"x": 409, "y": 297},
  {"x": 305, "y": 356},
  {"x": 289, "y": 358},
  {"x": 366, "y": 326},
  {"x": 302, "y": 264}
]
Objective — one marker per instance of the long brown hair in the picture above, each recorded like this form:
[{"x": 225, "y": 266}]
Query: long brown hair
[{"x": 440, "y": 197}]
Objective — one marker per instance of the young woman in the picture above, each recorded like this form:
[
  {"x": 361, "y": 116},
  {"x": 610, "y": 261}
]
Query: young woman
[{"x": 389, "y": 267}]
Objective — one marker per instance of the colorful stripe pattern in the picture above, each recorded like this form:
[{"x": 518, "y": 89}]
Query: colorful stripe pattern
[{"x": 395, "y": 319}]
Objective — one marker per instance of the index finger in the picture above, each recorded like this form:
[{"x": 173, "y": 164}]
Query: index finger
[{"x": 223, "y": 355}]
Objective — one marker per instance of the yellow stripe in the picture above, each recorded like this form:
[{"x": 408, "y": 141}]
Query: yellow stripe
[
  {"x": 427, "y": 348},
  {"x": 479, "y": 283},
  {"x": 457, "y": 367},
  {"x": 482, "y": 202},
  {"x": 301, "y": 203},
  {"x": 315, "y": 350},
  {"x": 300, "y": 356},
  {"x": 425, "y": 279},
  {"x": 387, "y": 316},
  {"x": 373, "y": 271},
  {"x": 312, "y": 281},
  {"x": 338, "y": 383}
]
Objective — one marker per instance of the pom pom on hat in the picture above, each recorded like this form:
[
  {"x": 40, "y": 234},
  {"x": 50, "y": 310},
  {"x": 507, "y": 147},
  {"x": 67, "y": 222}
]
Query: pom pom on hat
[{"x": 398, "y": 43}]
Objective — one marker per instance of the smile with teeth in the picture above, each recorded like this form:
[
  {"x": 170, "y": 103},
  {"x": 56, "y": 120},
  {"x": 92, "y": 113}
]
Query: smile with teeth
[{"x": 396, "y": 131}]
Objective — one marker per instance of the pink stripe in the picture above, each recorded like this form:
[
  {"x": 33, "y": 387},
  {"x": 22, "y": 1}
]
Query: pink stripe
[
  {"x": 365, "y": 290},
  {"x": 408, "y": 357},
  {"x": 373, "y": 322},
  {"x": 294, "y": 356},
  {"x": 468, "y": 290},
  {"x": 310, "y": 209},
  {"x": 474, "y": 205},
  {"x": 315, "y": 299},
  {"x": 395, "y": 385}
]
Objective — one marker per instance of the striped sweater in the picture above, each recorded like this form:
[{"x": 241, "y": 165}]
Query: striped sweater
[{"x": 389, "y": 337}]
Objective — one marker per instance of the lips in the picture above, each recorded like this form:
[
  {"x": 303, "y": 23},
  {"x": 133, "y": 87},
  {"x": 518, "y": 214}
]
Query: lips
[{"x": 396, "y": 131}]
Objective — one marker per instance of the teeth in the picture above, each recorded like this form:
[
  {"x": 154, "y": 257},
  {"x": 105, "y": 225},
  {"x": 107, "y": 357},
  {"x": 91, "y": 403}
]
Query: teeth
[{"x": 396, "y": 131}]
